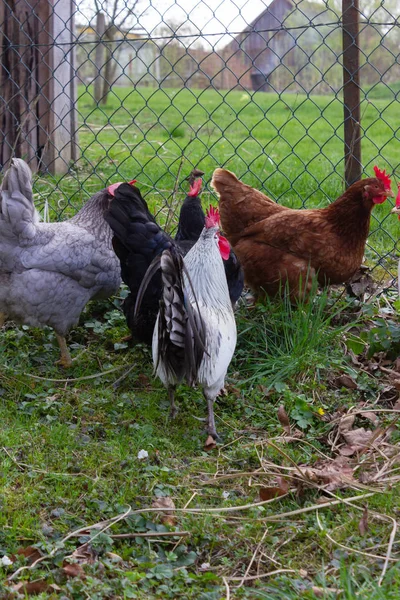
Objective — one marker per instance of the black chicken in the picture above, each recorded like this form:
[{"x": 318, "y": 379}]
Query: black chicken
[{"x": 138, "y": 240}]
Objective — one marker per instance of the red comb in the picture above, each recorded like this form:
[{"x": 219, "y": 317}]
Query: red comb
[
  {"x": 195, "y": 188},
  {"x": 383, "y": 177},
  {"x": 111, "y": 188},
  {"x": 398, "y": 196},
  {"x": 212, "y": 217}
]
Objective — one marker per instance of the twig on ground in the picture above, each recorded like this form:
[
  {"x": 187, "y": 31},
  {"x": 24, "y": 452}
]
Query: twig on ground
[
  {"x": 254, "y": 577},
  {"x": 348, "y": 548},
  {"x": 389, "y": 550},
  {"x": 253, "y": 558},
  {"x": 148, "y": 534},
  {"x": 71, "y": 380},
  {"x": 228, "y": 593}
]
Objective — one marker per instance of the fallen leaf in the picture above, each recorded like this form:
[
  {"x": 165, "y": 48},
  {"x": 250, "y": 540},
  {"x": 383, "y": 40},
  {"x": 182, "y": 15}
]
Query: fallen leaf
[
  {"x": 322, "y": 592},
  {"x": 114, "y": 557},
  {"x": 330, "y": 474},
  {"x": 346, "y": 381},
  {"x": 143, "y": 380},
  {"x": 346, "y": 423},
  {"x": 358, "y": 438},
  {"x": 33, "y": 588},
  {"x": 267, "y": 493},
  {"x": 31, "y": 554},
  {"x": 162, "y": 503},
  {"x": 284, "y": 419},
  {"x": 361, "y": 283},
  {"x": 303, "y": 573},
  {"x": 363, "y": 524},
  {"x": 371, "y": 416},
  {"x": 84, "y": 555},
  {"x": 397, "y": 404},
  {"x": 73, "y": 570},
  {"x": 347, "y": 450},
  {"x": 210, "y": 444}
]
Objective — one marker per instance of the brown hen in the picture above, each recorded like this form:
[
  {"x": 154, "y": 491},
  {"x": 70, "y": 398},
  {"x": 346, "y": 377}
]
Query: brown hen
[{"x": 279, "y": 246}]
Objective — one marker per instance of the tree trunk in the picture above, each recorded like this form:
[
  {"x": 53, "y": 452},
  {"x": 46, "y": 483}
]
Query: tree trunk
[
  {"x": 110, "y": 68},
  {"x": 99, "y": 56}
]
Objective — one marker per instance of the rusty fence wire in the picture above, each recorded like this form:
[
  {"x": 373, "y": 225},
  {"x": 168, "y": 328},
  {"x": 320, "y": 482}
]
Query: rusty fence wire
[{"x": 97, "y": 91}]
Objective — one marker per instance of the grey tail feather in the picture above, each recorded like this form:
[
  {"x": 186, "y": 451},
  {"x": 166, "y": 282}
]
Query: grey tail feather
[
  {"x": 182, "y": 333},
  {"x": 18, "y": 178}
]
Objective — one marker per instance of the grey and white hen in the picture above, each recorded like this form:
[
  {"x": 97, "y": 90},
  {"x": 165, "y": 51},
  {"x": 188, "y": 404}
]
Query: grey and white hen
[{"x": 49, "y": 271}]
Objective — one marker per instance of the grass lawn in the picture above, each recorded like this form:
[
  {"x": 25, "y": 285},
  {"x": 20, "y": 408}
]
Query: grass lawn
[
  {"x": 295, "y": 502},
  {"x": 291, "y": 146}
]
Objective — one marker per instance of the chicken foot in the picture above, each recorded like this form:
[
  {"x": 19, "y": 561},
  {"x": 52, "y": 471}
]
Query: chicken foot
[
  {"x": 65, "y": 360},
  {"x": 210, "y": 422},
  {"x": 173, "y": 411}
]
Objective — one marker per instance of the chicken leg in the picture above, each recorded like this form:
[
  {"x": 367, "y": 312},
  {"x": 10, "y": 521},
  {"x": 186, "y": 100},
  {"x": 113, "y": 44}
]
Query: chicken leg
[
  {"x": 3, "y": 317},
  {"x": 211, "y": 429},
  {"x": 65, "y": 360},
  {"x": 173, "y": 408}
]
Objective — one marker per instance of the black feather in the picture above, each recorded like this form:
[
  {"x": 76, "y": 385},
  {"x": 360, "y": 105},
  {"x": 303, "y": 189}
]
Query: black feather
[{"x": 181, "y": 333}]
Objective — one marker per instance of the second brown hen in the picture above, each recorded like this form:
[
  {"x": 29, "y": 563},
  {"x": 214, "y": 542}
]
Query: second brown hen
[{"x": 279, "y": 246}]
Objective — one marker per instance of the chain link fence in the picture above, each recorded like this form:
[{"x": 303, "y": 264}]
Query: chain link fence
[{"x": 97, "y": 91}]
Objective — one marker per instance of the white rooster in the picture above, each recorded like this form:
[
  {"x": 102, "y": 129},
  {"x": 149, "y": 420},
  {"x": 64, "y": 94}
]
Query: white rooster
[{"x": 195, "y": 333}]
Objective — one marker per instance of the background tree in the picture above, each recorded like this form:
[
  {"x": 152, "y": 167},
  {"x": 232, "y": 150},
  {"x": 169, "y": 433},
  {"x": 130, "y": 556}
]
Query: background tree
[{"x": 113, "y": 18}]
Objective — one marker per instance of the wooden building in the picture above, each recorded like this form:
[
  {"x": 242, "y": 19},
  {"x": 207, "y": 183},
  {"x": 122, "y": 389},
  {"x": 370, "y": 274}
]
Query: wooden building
[
  {"x": 252, "y": 56},
  {"x": 37, "y": 83}
]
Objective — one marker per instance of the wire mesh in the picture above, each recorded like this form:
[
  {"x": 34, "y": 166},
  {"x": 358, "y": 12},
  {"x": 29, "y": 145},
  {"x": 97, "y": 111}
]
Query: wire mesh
[{"x": 98, "y": 91}]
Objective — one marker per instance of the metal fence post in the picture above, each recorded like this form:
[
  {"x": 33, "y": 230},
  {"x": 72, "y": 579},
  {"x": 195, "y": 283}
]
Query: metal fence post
[{"x": 351, "y": 91}]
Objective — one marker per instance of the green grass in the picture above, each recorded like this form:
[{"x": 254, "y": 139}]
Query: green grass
[
  {"x": 69, "y": 460},
  {"x": 69, "y": 449},
  {"x": 290, "y": 145}
]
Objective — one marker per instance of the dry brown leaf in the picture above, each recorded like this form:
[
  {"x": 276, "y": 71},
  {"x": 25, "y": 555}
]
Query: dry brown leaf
[
  {"x": 322, "y": 592},
  {"x": 143, "y": 380},
  {"x": 284, "y": 419},
  {"x": 267, "y": 493},
  {"x": 346, "y": 423},
  {"x": 371, "y": 416},
  {"x": 84, "y": 554},
  {"x": 73, "y": 570},
  {"x": 347, "y": 450},
  {"x": 323, "y": 499},
  {"x": 363, "y": 524},
  {"x": 33, "y": 588},
  {"x": 165, "y": 502},
  {"x": 331, "y": 474},
  {"x": 210, "y": 443},
  {"x": 397, "y": 404},
  {"x": 358, "y": 438},
  {"x": 114, "y": 557},
  {"x": 31, "y": 554},
  {"x": 303, "y": 573},
  {"x": 346, "y": 381}
]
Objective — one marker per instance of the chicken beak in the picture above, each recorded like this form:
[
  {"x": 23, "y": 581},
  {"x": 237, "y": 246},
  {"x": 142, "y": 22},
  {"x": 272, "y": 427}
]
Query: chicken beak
[
  {"x": 395, "y": 210},
  {"x": 389, "y": 194}
]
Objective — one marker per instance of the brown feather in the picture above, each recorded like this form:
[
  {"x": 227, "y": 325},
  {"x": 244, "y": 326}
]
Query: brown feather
[{"x": 278, "y": 245}]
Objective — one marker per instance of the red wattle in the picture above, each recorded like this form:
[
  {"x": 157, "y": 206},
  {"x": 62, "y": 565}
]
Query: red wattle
[
  {"x": 224, "y": 247},
  {"x": 195, "y": 188}
]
